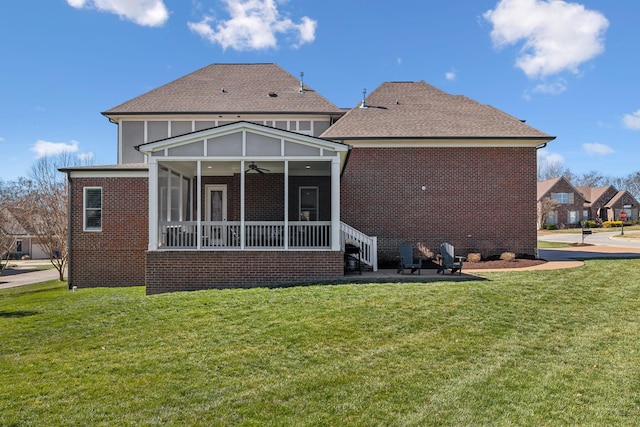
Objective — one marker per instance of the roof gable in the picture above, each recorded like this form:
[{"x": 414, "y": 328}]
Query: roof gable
[
  {"x": 243, "y": 139},
  {"x": 545, "y": 188},
  {"x": 419, "y": 110},
  {"x": 229, "y": 88}
]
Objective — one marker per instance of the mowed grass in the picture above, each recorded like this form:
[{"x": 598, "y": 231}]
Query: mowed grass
[{"x": 521, "y": 348}]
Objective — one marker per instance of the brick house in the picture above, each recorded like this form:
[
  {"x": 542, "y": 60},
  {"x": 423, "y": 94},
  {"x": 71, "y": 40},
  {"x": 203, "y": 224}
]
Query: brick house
[
  {"x": 575, "y": 204},
  {"x": 240, "y": 175}
]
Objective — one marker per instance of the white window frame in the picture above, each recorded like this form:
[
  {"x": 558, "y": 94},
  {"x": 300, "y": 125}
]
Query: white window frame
[{"x": 85, "y": 209}]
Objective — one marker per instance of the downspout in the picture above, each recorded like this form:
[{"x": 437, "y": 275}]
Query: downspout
[{"x": 69, "y": 204}]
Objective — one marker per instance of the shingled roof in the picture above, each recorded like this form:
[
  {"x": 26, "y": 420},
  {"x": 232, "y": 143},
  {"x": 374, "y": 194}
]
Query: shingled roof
[
  {"x": 229, "y": 89},
  {"x": 419, "y": 110}
]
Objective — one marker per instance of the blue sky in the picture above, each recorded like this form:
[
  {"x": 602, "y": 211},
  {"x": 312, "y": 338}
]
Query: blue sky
[{"x": 567, "y": 68}]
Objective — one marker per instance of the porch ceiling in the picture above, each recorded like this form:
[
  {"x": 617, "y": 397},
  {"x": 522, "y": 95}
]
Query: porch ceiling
[{"x": 229, "y": 168}]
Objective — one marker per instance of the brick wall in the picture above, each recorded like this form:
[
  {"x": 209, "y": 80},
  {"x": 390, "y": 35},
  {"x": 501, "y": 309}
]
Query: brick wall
[
  {"x": 114, "y": 256},
  {"x": 562, "y": 210},
  {"x": 192, "y": 270},
  {"x": 478, "y": 199},
  {"x": 265, "y": 195}
]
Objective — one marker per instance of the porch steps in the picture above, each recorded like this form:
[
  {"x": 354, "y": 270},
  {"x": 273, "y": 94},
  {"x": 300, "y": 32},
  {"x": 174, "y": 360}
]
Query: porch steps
[{"x": 368, "y": 244}]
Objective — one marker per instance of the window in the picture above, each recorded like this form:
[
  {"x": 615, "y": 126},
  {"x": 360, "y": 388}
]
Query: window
[
  {"x": 563, "y": 198},
  {"x": 93, "y": 209},
  {"x": 18, "y": 245},
  {"x": 572, "y": 217},
  {"x": 308, "y": 203}
]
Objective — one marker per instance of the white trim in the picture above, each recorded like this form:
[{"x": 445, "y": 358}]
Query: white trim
[
  {"x": 153, "y": 205},
  {"x": 242, "y": 127},
  {"x": 446, "y": 143},
  {"x": 84, "y": 209},
  {"x": 109, "y": 174}
]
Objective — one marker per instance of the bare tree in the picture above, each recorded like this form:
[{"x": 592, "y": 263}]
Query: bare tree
[
  {"x": 591, "y": 179},
  {"x": 7, "y": 237},
  {"x": 550, "y": 169},
  {"x": 40, "y": 205},
  {"x": 546, "y": 206}
]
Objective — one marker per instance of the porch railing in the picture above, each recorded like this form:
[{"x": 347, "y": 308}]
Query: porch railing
[
  {"x": 368, "y": 244},
  {"x": 257, "y": 235}
]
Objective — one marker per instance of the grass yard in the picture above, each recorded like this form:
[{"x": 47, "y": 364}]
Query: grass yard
[{"x": 551, "y": 348}]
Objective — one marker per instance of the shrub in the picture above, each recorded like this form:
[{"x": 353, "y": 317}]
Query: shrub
[
  {"x": 610, "y": 224},
  {"x": 508, "y": 256},
  {"x": 474, "y": 257},
  {"x": 590, "y": 223},
  {"x": 549, "y": 226}
]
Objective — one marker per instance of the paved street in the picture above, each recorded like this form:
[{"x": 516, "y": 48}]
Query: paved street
[{"x": 24, "y": 273}]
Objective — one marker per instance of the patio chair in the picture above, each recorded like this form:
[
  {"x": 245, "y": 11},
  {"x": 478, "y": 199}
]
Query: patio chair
[
  {"x": 407, "y": 260},
  {"x": 448, "y": 259}
]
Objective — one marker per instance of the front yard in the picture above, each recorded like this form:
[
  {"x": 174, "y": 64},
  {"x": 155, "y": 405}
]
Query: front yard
[{"x": 522, "y": 348}]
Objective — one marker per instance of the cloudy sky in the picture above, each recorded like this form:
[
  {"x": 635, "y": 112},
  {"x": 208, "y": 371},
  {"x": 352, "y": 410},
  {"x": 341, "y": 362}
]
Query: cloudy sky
[{"x": 567, "y": 68}]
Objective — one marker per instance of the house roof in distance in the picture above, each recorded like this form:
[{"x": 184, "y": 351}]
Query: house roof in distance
[
  {"x": 230, "y": 88},
  {"x": 419, "y": 110}
]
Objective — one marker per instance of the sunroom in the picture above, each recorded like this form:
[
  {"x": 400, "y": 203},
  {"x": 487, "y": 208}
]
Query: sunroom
[{"x": 244, "y": 186}]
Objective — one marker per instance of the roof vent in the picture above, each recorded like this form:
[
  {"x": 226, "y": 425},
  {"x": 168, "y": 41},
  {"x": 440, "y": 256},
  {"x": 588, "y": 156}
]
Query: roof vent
[
  {"x": 273, "y": 94},
  {"x": 301, "y": 82},
  {"x": 222, "y": 90},
  {"x": 364, "y": 96}
]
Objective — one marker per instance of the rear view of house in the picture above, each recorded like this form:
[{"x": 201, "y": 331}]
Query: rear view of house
[{"x": 240, "y": 175}]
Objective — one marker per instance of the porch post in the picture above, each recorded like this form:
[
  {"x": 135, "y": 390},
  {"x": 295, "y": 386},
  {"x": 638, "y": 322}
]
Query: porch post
[
  {"x": 335, "y": 204},
  {"x": 153, "y": 203},
  {"x": 199, "y": 202},
  {"x": 242, "y": 195},
  {"x": 286, "y": 205}
]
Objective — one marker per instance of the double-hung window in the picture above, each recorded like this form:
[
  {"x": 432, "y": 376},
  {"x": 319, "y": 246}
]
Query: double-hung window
[{"x": 92, "y": 209}]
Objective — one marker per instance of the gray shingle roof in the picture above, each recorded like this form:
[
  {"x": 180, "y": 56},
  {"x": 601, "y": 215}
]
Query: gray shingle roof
[
  {"x": 419, "y": 110},
  {"x": 230, "y": 88}
]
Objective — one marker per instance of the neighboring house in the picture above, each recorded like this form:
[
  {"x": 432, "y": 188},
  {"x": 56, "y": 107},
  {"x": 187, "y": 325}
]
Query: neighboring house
[
  {"x": 239, "y": 175},
  {"x": 575, "y": 204},
  {"x": 25, "y": 243},
  {"x": 570, "y": 209}
]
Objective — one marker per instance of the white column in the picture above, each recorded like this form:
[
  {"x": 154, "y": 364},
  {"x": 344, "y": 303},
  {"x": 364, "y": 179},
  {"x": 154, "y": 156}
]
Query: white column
[
  {"x": 199, "y": 202},
  {"x": 286, "y": 205},
  {"x": 153, "y": 203},
  {"x": 335, "y": 204},
  {"x": 242, "y": 195}
]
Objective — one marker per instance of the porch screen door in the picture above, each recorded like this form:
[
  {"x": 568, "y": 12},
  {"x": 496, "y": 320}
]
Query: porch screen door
[{"x": 216, "y": 214}]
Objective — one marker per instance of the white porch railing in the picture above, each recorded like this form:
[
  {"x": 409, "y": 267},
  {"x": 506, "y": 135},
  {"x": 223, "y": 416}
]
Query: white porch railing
[
  {"x": 257, "y": 235},
  {"x": 368, "y": 244}
]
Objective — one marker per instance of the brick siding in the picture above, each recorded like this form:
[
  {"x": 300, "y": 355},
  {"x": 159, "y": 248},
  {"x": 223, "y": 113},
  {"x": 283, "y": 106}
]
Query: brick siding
[
  {"x": 169, "y": 271},
  {"x": 114, "y": 256},
  {"x": 478, "y": 199}
]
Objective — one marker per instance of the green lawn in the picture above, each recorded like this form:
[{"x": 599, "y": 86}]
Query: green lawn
[{"x": 551, "y": 348}]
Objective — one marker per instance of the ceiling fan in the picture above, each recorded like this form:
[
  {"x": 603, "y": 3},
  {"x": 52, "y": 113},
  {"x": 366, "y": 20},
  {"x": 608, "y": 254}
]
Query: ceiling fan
[{"x": 254, "y": 167}]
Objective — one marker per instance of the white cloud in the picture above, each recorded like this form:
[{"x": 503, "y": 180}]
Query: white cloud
[
  {"x": 47, "y": 149},
  {"x": 254, "y": 25},
  {"x": 597, "y": 149},
  {"x": 1, "y": 139},
  {"x": 546, "y": 156},
  {"x": 148, "y": 13},
  {"x": 555, "y": 88},
  {"x": 632, "y": 121},
  {"x": 86, "y": 158},
  {"x": 557, "y": 35},
  {"x": 451, "y": 75}
]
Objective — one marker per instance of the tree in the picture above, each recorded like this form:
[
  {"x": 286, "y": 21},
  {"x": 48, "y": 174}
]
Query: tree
[
  {"x": 7, "y": 238},
  {"x": 550, "y": 169},
  {"x": 546, "y": 206},
  {"x": 40, "y": 204}
]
